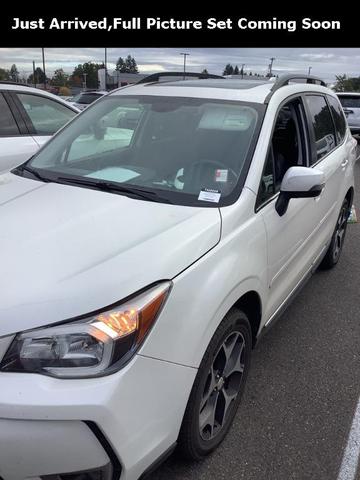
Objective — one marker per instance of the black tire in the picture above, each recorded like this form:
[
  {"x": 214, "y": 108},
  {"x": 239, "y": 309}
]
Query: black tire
[
  {"x": 337, "y": 240},
  {"x": 233, "y": 335}
]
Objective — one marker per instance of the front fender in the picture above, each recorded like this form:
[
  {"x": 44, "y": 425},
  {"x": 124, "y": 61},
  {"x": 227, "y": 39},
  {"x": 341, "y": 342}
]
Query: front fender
[{"x": 205, "y": 292}]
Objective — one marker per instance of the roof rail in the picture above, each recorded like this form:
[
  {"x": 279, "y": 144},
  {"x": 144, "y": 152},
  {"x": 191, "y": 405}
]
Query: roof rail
[
  {"x": 9, "y": 82},
  {"x": 285, "y": 79},
  {"x": 156, "y": 76}
]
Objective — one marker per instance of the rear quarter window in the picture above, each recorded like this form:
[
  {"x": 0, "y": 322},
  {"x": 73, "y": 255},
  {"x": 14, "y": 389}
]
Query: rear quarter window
[
  {"x": 339, "y": 118},
  {"x": 8, "y": 126}
]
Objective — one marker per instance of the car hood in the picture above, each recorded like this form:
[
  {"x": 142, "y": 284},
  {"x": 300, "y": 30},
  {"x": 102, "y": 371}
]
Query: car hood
[{"x": 66, "y": 251}]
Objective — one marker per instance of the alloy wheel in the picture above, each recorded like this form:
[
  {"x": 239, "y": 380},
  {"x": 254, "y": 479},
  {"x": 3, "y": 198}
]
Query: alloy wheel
[
  {"x": 340, "y": 232},
  {"x": 222, "y": 385}
]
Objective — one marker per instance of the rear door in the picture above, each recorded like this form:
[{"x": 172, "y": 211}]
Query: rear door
[
  {"x": 16, "y": 144},
  {"x": 329, "y": 156}
]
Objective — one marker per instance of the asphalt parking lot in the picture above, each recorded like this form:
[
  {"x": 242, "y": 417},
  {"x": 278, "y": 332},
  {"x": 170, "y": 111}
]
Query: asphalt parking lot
[{"x": 303, "y": 388}]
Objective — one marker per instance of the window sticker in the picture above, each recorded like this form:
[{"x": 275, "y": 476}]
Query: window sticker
[
  {"x": 209, "y": 195},
  {"x": 221, "y": 175}
]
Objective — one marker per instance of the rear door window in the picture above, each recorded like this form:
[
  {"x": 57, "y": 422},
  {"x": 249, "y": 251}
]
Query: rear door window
[{"x": 322, "y": 126}]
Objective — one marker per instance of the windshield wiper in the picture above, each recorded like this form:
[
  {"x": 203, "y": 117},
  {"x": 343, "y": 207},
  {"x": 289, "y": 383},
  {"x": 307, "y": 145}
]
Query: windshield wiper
[
  {"x": 114, "y": 187},
  {"x": 36, "y": 174}
]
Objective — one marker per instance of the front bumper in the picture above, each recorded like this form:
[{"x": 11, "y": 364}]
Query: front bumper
[
  {"x": 44, "y": 422},
  {"x": 29, "y": 448}
]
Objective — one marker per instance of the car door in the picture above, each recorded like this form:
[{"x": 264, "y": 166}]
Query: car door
[
  {"x": 16, "y": 144},
  {"x": 327, "y": 156},
  {"x": 43, "y": 115},
  {"x": 292, "y": 243}
]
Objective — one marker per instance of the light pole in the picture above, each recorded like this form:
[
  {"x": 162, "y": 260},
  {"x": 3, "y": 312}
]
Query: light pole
[
  {"x": 84, "y": 85},
  {"x": 309, "y": 70},
  {"x": 43, "y": 61},
  {"x": 105, "y": 68},
  {"x": 185, "y": 55},
  {"x": 271, "y": 64},
  {"x": 34, "y": 79},
  {"x": 242, "y": 70}
]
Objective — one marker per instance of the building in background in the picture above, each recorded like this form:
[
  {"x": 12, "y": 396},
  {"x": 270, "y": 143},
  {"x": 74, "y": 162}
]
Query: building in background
[{"x": 117, "y": 79}]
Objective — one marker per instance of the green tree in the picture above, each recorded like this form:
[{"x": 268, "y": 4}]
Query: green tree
[
  {"x": 128, "y": 65},
  {"x": 340, "y": 83},
  {"x": 60, "y": 78},
  {"x": 88, "y": 70},
  {"x": 132, "y": 64},
  {"x": 120, "y": 65},
  {"x": 236, "y": 70},
  {"x": 346, "y": 84},
  {"x": 4, "y": 74},
  {"x": 39, "y": 76},
  {"x": 228, "y": 70},
  {"x": 14, "y": 74}
]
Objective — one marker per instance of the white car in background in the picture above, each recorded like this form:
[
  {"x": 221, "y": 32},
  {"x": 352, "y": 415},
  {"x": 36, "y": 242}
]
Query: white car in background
[
  {"x": 350, "y": 102},
  {"x": 84, "y": 99},
  {"x": 28, "y": 119}
]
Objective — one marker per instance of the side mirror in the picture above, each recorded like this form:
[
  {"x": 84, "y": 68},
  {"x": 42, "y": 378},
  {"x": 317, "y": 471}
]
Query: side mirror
[{"x": 299, "y": 182}]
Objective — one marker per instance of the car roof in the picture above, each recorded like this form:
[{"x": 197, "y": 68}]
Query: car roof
[
  {"x": 23, "y": 88},
  {"x": 257, "y": 91},
  {"x": 216, "y": 83}
]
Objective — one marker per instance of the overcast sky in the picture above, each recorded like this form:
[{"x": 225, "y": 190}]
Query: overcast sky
[{"x": 325, "y": 62}]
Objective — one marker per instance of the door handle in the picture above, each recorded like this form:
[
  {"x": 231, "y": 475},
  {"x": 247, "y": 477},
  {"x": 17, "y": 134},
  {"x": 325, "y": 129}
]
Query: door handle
[{"x": 345, "y": 162}]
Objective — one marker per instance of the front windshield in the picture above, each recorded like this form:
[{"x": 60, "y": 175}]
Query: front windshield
[{"x": 191, "y": 151}]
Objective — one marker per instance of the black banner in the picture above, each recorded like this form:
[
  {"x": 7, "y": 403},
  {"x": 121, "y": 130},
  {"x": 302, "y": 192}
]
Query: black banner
[{"x": 220, "y": 27}]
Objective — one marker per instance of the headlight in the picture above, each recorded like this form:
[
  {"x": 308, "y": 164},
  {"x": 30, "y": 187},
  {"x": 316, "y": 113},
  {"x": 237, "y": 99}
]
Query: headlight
[{"x": 92, "y": 346}]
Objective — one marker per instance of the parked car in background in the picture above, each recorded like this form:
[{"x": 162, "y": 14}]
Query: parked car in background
[
  {"x": 84, "y": 99},
  {"x": 350, "y": 102},
  {"x": 144, "y": 251},
  {"x": 28, "y": 118}
]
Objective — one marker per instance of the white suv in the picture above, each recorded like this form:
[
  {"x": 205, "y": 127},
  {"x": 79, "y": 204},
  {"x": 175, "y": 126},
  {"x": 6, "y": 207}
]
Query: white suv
[
  {"x": 28, "y": 118},
  {"x": 143, "y": 252}
]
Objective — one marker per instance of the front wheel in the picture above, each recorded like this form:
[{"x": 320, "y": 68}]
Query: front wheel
[
  {"x": 337, "y": 241},
  {"x": 218, "y": 386}
]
